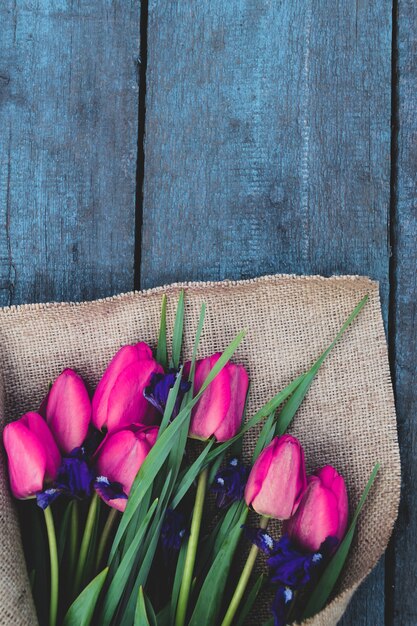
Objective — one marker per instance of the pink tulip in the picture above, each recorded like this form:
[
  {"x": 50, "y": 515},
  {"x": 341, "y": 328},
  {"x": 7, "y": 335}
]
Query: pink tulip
[
  {"x": 323, "y": 511},
  {"x": 278, "y": 479},
  {"x": 33, "y": 456},
  {"x": 120, "y": 457},
  {"x": 220, "y": 409},
  {"x": 68, "y": 410},
  {"x": 119, "y": 400}
]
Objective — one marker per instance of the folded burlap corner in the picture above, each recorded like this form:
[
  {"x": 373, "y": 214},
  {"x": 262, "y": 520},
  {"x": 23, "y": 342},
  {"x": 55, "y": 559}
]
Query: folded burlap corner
[{"x": 347, "y": 419}]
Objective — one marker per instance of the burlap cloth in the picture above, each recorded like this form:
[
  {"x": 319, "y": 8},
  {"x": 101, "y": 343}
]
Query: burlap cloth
[{"x": 347, "y": 419}]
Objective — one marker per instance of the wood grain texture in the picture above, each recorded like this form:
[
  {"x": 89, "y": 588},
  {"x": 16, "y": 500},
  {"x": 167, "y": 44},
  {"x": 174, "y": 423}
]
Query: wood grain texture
[
  {"x": 268, "y": 150},
  {"x": 68, "y": 119},
  {"x": 404, "y": 314}
]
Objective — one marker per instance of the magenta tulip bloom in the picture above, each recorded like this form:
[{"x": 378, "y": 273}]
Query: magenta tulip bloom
[
  {"x": 219, "y": 411},
  {"x": 119, "y": 401},
  {"x": 323, "y": 511},
  {"x": 68, "y": 411},
  {"x": 118, "y": 461},
  {"x": 278, "y": 479},
  {"x": 33, "y": 456}
]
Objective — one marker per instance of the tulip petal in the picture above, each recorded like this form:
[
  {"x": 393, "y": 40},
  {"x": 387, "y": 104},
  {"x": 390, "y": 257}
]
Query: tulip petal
[
  {"x": 212, "y": 408},
  {"x": 278, "y": 478},
  {"x": 121, "y": 455},
  {"x": 38, "y": 426},
  {"x": 118, "y": 400},
  {"x": 259, "y": 472},
  {"x": 127, "y": 404},
  {"x": 232, "y": 420},
  {"x": 68, "y": 410},
  {"x": 26, "y": 460},
  {"x": 322, "y": 512}
]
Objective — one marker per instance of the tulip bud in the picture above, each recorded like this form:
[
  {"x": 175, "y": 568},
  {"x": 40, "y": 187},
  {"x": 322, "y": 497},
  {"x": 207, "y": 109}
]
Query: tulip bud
[
  {"x": 323, "y": 511},
  {"x": 33, "y": 456},
  {"x": 68, "y": 410},
  {"x": 220, "y": 409},
  {"x": 118, "y": 461},
  {"x": 119, "y": 401},
  {"x": 278, "y": 479}
]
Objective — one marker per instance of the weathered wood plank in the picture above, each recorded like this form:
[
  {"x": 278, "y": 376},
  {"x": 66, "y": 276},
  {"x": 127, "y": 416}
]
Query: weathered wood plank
[
  {"x": 268, "y": 149},
  {"x": 404, "y": 315},
  {"x": 68, "y": 119}
]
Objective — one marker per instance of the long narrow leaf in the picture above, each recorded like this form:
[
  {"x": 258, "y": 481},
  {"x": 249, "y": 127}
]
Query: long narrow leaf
[
  {"x": 332, "y": 572},
  {"x": 263, "y": 412},
  {"x": 177, "y": 333},
  {"x": 265, "y": 436},
  {"x": 141, "y": 617},
  {"x": 144, "y": 613},
  {"x": 123, "y": 572},
  {"x": 291, "y": 407},
  {"x": 163, "y": 446},
  {"x": 250, "y": 601},
  {"x": 170, "y": 404},
  {"x": 64, "y": 530},
  {"x": 82, "y": 609},
  {"x": 210, "y": 598},
  {"x": 189, "y": 475},
  {"x": 177, "y": 580},
  {"x": 161, "y": 350}
]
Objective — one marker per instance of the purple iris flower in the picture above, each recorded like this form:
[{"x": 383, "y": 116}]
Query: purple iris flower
[
  {"x": 281, "y": 605},
  {"x": 74, "y": 479},
  {"x": 229, "y": 483},
  {"x": 157, "y": 392},
  {"x": 289, "y": 566},
  {"x": 173, "y": 530},
  {"x": 109, "y": 490}
]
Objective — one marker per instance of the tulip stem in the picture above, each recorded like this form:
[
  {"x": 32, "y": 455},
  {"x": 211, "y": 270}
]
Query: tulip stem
[
  {"x": 244, "y": 579},
  {"x": 191, "y": 549},
  {"x": 53, "y": 557},
  {"x": 108, "y": 526},
  {"x": 85, "y": 543}
]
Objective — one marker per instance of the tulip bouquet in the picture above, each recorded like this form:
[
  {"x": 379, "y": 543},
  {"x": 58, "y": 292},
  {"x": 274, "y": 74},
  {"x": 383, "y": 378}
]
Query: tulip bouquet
[{"x": 139, "y": 507}]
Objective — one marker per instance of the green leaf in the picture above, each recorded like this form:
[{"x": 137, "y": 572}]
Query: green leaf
[
  {"x": 123, "y": 572},
  {"x": 263, "y": 412},
  {"x": 210, "y": 598},
  {"x": 211, "y": 544},
  {"x": 250, "y": 601},
  {"x": 159, "y": 452},
  {"x": 161, "y": 350},
  {"x": 197, "y": 339},
  {"x": 189, "y": 475},
  {"x": 177, "y": 333},
  {"x": 64, "y": 530},
  {"x": 169, "y": 407},
  {"x": 177, "y": 580},
  {"x": 144, "y": 557},
  {"x": 144, "y": 613},
  {"x": 82, "y": 609},
  {"x": 163, "y": 617},
  {"x": 291, "y": 407},
  {"x": 265, "y": 436},
  {"x": 331, "y": 574}
]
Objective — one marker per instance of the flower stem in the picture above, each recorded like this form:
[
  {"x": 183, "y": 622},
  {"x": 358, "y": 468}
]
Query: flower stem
[
  {"x": 191, "y": 549},
  {"x": 53, "y": 556},
  {"x": 244, "y": 579},
  {"x": 108, "y": 526},
  {"x": 85, "y": 543}
]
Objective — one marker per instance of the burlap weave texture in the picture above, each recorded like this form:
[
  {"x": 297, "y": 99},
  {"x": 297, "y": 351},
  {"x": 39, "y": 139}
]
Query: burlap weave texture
[{"x": 347, "y": 419}]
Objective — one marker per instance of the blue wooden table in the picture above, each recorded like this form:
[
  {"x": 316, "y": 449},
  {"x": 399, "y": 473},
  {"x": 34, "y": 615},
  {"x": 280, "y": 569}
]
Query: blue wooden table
[{"x": 143, "y": 143}]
